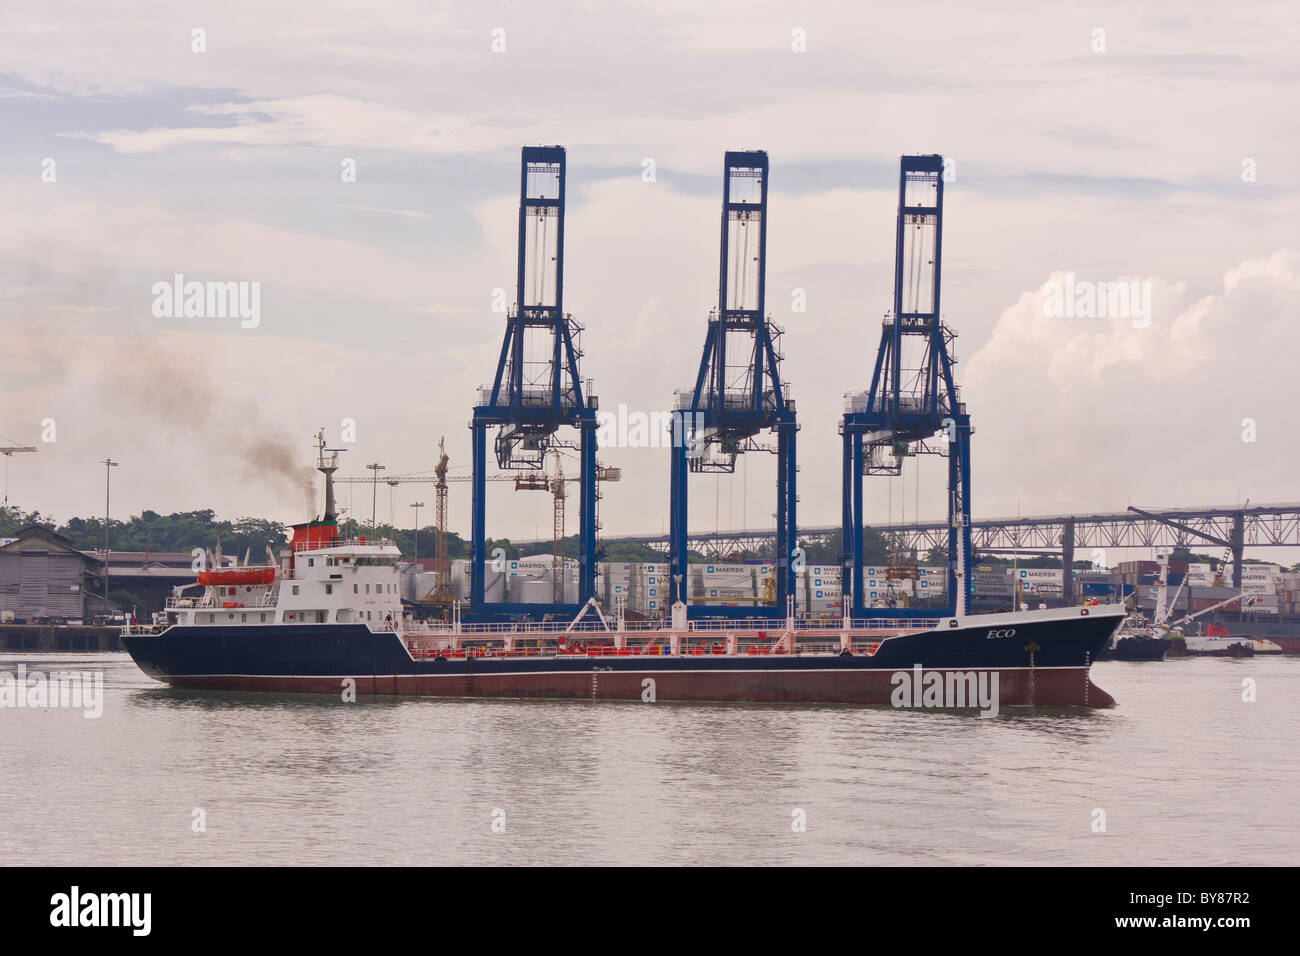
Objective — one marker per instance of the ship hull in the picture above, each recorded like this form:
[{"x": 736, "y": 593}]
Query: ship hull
[
  {"x": 1020, "y": 687},
  {"x": 1289, "y": 645},
  {"x": 1139, "y": 649},
  {"x": 1036, "y": 661}
]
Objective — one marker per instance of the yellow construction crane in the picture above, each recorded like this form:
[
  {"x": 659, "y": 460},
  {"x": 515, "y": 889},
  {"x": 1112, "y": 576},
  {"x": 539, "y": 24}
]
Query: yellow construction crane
[
  {"x": 444, "y": 594},
  {"x": 555, "y": 485},
  {"x": 9, "y": 451}
]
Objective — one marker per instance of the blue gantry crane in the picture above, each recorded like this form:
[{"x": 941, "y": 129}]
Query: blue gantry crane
[
  {"x": 537, "y": 389},
  {"x": 738, "y": 392},
  {"x": 913, "y": 397}
]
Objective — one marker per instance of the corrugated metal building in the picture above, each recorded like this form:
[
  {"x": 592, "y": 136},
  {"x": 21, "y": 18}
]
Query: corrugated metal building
[{"x": 43, "y": 576}]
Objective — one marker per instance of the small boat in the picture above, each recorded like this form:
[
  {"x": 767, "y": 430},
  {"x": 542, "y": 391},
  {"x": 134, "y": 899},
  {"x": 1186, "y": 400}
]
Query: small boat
[{"x": 1217, "y": 642}]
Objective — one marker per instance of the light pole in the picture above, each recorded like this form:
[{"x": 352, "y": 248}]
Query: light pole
[
  {"x": 375, "y": 469},
  {"x": 109, "y": 464},
  {"x": 417, "y": 505}
]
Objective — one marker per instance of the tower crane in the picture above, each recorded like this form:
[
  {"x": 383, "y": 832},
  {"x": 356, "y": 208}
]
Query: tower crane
[
  {"x": 555, "y": 484},
  {"x": 9, "y": 451},
  {"x": 444, "y": 594}
]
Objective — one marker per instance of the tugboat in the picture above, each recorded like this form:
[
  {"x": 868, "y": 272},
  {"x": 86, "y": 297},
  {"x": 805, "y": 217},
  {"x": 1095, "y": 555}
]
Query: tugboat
[
  {"x": 1139, "y": 640},
  {"x": 328, "y": 618}
]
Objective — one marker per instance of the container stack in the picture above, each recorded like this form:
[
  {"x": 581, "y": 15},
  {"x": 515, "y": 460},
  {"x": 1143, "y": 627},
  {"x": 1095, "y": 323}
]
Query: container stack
[{"x": 640, "y": 588}]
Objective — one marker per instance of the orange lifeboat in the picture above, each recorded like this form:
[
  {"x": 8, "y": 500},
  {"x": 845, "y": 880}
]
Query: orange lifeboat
[{"x": 229, "y": 576}]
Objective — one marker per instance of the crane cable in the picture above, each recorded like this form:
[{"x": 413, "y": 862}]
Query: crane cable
[
  {"x": 916, "y": 498},
  {"x": 918, "y": 237},
  {"x": 907, "y": 288},
  {"x": 744, "y": 268},
  {"x": 539, "y": 252},
  {"x": 716, "y": 529}
]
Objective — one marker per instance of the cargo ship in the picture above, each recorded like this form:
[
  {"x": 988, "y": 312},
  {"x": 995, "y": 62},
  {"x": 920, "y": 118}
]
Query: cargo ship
[{"x": 328, "y": 618}]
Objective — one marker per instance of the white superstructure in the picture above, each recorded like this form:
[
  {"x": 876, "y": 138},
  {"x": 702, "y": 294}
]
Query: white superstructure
[{"x": 342, "y": 582}]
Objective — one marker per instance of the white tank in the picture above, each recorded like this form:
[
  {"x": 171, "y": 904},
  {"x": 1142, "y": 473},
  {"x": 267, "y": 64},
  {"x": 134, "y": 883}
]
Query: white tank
[{"x": 532, "y": 591}]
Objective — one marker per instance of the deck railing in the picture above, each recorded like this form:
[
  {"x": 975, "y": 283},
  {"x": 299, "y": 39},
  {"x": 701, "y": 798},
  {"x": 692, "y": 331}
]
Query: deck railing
[
  {"x": 358, "y": 542},
  {"x": 602, "y": 651},
  {"x": 174, "y": 603},
  {"x": 143, "y": 630},
  {"x": 750, "y": 626}
]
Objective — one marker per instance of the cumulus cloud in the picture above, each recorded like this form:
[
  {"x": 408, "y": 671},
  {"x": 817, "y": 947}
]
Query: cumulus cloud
[{"x": 1094, "y": 411}]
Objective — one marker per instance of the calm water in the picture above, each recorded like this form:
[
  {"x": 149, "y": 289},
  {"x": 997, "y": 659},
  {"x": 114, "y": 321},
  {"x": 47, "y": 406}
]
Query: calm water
[{"x": 1185, "y": 771}]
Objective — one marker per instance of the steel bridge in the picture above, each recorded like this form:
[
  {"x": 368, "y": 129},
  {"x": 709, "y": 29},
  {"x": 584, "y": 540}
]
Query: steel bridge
[{"x": 1275, "y": 525}]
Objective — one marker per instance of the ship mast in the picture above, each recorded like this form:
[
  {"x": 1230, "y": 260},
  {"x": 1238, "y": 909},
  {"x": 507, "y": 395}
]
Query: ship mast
[{"x": 327, "y": 462}]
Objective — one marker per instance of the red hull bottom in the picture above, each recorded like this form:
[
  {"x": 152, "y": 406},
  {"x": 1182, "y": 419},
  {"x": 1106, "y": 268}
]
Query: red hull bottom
[{"x": 1017, "y": 687}]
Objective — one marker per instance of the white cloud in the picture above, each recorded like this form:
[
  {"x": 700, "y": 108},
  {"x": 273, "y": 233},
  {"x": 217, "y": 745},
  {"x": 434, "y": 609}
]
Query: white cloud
[
  {"x": 407, "y": 213},
  {"x": 322, "y": 120},
  {"x": 226, "y": 165},
  {"x": 1095, "y": 414}
]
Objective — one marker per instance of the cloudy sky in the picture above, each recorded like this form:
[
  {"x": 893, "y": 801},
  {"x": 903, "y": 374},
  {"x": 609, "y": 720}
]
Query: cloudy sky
[{"x": 1153, "y": 142}]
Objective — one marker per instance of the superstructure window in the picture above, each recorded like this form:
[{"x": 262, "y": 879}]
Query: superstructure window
[
  {"x": 295, "y": 589},
  {"x": 329, "y": 589}
]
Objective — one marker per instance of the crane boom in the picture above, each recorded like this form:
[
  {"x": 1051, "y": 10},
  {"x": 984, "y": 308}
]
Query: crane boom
[{"x": 9, "y": 451}]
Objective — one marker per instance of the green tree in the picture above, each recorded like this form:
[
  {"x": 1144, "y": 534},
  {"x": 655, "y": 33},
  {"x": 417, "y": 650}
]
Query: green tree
[
  {"x": 127, "y": 600},
  {"x": 875, "y": 548}
]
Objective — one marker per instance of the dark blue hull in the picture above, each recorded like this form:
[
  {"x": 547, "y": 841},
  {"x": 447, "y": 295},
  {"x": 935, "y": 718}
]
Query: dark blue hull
[{"x": 1039, "y": 662}]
